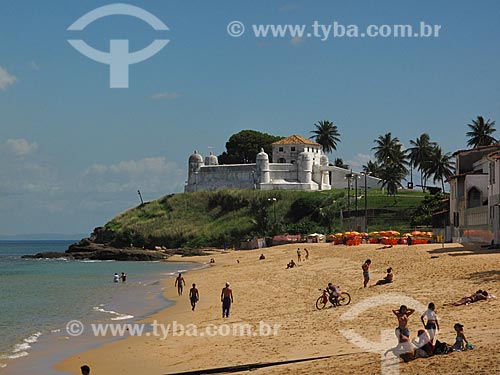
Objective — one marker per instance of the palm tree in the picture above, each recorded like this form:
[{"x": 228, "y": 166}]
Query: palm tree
[
  {"x": 372, "y": 168},
  {"x": 480, "y": 133},
  {"x": 386, "y": 147},
  {"x": 393, "y": 160},
  {"x": 391, "y": 175},
  {"x": 420, "y": 153},
  {"x": 327, "y": 135},
  {"x": 439, "y": 165},
  {"x": 338, "y": 162}
]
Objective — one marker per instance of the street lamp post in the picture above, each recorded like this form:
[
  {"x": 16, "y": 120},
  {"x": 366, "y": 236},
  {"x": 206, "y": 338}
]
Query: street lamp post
[
  {"x": 273, "y": 199},
  {"x": 366, "y": 202},
  {"x": 349, "y": 177}
]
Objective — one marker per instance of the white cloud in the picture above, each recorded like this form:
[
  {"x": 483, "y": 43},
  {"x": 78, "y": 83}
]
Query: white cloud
[
  {"x": 166, "y": 95},
  {"x": 359, "y": 160},
  {"x": 19, "y": 147},
  {"x": 154, "y": 174},
  {"x": 6, "y": 79}
]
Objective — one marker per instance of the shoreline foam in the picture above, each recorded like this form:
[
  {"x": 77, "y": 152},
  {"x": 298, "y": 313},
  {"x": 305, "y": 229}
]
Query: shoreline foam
[{"x": 53, "y": 344}]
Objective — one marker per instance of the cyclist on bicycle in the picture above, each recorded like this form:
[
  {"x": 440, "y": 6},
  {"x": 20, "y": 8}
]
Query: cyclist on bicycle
[{"x": 334, "y": 292}]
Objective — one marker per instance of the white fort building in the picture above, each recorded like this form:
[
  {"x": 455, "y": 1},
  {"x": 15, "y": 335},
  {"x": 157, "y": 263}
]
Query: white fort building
[{"x": 300, "y": 164}]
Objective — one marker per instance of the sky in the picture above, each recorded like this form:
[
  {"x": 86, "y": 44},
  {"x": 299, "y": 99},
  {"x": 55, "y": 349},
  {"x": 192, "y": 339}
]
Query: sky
[{"x": 74, "y": 152}]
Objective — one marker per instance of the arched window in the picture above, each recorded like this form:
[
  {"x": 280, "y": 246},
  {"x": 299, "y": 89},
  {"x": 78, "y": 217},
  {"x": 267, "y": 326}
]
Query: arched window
[{"x": 473, "y": 198}]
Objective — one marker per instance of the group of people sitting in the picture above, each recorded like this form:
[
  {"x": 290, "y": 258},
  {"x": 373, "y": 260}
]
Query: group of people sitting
[{"x": 424, "y": 346}]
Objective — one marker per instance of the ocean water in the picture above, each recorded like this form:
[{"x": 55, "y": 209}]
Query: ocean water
[{"x": 39, "y": 296}]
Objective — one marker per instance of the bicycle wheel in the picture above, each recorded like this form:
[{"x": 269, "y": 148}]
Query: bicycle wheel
[
  {"x": 344, "y": 299},
  {"x": 321, "y": 302}
]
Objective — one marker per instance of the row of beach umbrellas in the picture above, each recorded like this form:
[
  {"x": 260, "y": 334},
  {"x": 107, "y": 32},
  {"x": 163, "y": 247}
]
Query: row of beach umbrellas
[{"x": 380, "y": 234}]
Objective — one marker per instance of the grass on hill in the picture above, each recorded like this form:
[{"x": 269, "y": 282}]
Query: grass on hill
[{"x": 203, "y": 219}]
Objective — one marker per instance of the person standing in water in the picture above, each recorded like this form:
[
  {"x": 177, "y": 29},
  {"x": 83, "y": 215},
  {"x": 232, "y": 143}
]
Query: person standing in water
[
  {"x": 178, "y": 283},
  {"x": 194, "y": 296},
  {"x": 226, "y": 298},
  {"x": 123, "y": 277},
  {"x": 116, "y": 278}
]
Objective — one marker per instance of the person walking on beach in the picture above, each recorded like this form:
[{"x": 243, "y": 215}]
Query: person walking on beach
[
  {"x": 299, "y": 255},
  {"x": 194, "y": 296},
  {"x": 116, "y": 278},
  {"x": 123, "y": 277},
  {"x": 226, "y": 298},
  {"x": 366, "y": 272},
  {"x": 85, "y": 369},
  {"x": 307, "y": 253},
  {"x": 178, "y": 283}
]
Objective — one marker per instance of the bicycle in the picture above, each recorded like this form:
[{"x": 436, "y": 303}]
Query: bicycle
[{"x": 343, "y": 299}]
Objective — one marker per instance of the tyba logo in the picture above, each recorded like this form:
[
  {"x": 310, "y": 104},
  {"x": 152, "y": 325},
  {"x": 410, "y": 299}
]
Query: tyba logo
[{"x": 119, "y": 58}]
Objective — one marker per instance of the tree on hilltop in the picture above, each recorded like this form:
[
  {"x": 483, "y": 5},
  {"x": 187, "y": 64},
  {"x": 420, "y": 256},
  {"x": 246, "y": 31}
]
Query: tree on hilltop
[{"x": 243, "y": 147}]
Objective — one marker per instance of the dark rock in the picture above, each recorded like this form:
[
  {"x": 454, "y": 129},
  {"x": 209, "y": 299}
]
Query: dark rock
[{"x": 49, "y": 254}]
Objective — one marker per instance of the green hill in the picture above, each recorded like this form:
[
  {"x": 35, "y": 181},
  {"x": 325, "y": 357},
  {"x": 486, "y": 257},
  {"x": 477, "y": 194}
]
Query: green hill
[{"x": 203, "y": 219}]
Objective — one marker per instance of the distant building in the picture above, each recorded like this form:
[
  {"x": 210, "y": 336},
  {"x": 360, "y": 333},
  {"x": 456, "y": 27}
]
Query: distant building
[
  {"x": 300, "y": 165},
  {"x": 474, "y": 196}
]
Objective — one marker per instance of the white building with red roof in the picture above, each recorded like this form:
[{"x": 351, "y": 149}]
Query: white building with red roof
[{"x": 297, "y": 164}]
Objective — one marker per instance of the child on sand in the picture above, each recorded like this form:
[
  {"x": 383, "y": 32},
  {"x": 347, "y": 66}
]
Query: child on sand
[
  {"x": 366, "y": 271},
  {"x": 460, "y": 340}
]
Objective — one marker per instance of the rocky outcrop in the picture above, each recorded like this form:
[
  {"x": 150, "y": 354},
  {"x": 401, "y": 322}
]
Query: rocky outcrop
[{"x": 102, "y": 245}]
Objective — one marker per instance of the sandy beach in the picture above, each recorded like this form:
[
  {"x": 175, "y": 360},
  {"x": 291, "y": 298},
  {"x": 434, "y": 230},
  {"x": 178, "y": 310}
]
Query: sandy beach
[{"x": 264, "y": 291}]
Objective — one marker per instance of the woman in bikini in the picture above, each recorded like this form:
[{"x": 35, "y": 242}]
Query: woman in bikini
[
  {"x": 403, "y": 332},
  {"x": 480, "y": 295}
]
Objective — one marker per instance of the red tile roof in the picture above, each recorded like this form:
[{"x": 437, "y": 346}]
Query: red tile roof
[{"x": 296, "y": 140}]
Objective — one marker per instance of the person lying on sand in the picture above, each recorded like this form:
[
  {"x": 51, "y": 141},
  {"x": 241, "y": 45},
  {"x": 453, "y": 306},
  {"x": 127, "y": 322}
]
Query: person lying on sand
[
  {"x": 480, "y": 295},
  {"x": 389, "y": 278},
  {"x": 384, "y": 247}
]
